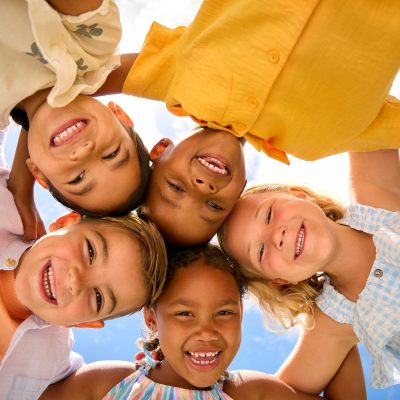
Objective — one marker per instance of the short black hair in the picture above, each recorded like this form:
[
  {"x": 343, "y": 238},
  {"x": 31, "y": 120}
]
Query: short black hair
[
  {"x": 135, "y": 198},
  {"x": 212, "y": 255}
]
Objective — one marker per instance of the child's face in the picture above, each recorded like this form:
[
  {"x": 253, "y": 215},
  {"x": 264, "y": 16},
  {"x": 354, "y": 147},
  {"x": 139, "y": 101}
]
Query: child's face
[
  {"x": 85, "y": 152},
  {"x": 195, "y": 185},
  {"x": 280, "y": 235},
  {"x": 198, "y": 318},
  {"x": 86, "y": 272}
]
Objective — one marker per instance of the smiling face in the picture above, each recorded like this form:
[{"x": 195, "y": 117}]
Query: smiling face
[
  {"x": 86, "y": 272},
  {"x": 280, "y": 235},
  {"x": 85, "y": 152},
  {"x": 199, "y": 335},
  {"x": 196, "y": 184}
]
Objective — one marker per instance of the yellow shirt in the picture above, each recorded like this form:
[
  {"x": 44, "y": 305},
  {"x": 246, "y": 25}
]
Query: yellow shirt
[{"x": 306, "y": 77}]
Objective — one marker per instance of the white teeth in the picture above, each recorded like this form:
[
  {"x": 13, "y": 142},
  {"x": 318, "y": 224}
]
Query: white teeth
[
  {"x": 209, "y": 357},
  {"x": 208, "y": 354},
  {"x": 66, "y": 133},
  {"x": 300, "y": 241},
  {"x": 48, "y": 285},
  {"x": 213, "y": 167}
]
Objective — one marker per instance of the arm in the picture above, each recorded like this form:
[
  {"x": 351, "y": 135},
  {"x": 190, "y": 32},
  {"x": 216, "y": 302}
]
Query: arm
[
  {"x": 90, "y": 382},
  {"x": 74, "y": 7},
  {"x": 306, "y": 369},
  {"x": 348, "y": 383},
  {"x": 115, "y": 80},
  {"x": 20, "y": 184},
  {"x": 375, "y": 179}
]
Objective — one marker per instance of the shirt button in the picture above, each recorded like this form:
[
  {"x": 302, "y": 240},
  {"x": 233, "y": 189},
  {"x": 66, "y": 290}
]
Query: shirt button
[
  {"x": 239, "y": 126},
  {"x": 274, "y": 56},
  {"x": 378, "y": 273},
  {"x": 253, "y": 102},
  {"x": 10, "y": 262}
]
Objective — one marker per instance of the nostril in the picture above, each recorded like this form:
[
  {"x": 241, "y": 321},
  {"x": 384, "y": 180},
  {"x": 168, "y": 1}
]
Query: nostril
[{"x": 199, "y": 181}]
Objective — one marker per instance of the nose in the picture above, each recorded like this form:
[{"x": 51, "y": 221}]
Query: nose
[
  {"x": 204, "y": 185},
  {"x": 278, "y": 236},
  {"x": 75, "y": 281},
  {"x": 206, "y": 330},
  {"x": 82, "y": 150}
]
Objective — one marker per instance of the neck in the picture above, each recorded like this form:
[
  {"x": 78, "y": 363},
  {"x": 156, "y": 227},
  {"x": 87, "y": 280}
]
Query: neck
[
  {"x": 165, "y": 374},
  {"x": 353, "y": 261},
  {"x": 31, "y": 104}
]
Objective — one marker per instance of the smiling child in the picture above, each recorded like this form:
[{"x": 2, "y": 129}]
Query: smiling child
[
  {"x": 195, "y": 330},
  {"x": 84, "y": 273},
  {"x": 194, "y": 185}
]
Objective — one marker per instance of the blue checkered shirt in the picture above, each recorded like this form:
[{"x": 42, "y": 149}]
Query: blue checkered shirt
[{"x": 376, "y": 314}]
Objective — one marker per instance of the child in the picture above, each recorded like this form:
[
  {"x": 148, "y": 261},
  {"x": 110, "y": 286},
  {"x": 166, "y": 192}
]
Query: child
[
  {"x": 194, "y": 185},
  {"x": 88, "y": 272},
  {"x": 305, "y": 78},
  {"x": 309, "y": 79},
  {"x": 79, "y": 149},
  {"x": 284, "y": 236},
  {"x": 196, "y": 338}
]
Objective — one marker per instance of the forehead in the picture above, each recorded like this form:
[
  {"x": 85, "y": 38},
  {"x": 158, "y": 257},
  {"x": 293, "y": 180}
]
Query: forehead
[{"x": 192, "y": 282}]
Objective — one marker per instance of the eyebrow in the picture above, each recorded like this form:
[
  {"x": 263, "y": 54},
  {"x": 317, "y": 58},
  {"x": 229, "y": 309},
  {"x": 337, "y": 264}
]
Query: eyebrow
[
  {"x": 168, "y": 200},
  {"x": 104, "y": 246},
  {"x": 91, "y": 185},
  {"x": 188, "y": 303},
  {"x": 121, "y": 162}
]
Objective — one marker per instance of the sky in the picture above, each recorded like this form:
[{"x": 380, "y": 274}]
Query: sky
[{"x": 260, "y": 349}]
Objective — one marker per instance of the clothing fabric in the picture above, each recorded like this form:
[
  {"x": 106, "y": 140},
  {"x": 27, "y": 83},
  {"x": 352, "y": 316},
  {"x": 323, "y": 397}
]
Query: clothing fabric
[
  {"x": 138, "y": 386},
  {"x": 36, "y": 354},
  {"x": 308, "y": 78},
  {"x": 376, "y": 314},
  {"x": 41, "y": 48}
]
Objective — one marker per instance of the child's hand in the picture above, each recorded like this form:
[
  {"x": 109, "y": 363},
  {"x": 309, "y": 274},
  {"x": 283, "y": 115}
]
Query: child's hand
[{"x": 20, "y": 184}]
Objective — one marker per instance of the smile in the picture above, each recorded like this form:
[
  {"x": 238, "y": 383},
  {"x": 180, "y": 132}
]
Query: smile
[
  {"x": 67, "y": 133},
  {"x": 214, "y": 164},
  {"x": 299, "y": 242},
  {"x": 205, "y": 359},
  {"x": 48, "y": 282}
]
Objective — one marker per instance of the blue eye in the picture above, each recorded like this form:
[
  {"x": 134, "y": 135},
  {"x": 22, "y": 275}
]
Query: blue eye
[
  {"x": 112, "y": 155},
  {"x": 77, "y": 179},
  {"x": 99, "y": 300}
]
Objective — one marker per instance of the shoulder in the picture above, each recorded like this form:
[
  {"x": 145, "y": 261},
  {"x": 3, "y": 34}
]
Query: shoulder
[{"x": 256, "y": 385}]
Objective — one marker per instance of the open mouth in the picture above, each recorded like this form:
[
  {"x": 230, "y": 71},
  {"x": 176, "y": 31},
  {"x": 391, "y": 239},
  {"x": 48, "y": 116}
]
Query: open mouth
[
  {"x": 48, "y": 284},
  {"x": 203, "y": 358},
  {"x": 214, "y": 164},
  {"x": 299, "y": 242},
  {"x": 67, "y": 132}
]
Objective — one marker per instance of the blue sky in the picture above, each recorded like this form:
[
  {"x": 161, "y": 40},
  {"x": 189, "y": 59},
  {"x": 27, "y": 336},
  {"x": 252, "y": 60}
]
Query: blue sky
[{"x": 260, "y": 349}]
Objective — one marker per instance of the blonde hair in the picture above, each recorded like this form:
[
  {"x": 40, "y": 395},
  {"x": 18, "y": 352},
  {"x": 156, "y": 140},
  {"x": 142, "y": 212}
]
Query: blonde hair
[
  {"x": 152, "y": 247},
  {"x": 285, "y": 302}
]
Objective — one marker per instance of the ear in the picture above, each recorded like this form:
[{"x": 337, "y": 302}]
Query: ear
[
  {"x": 94, "y": 324},
  {"x": 37, "y": 173},
  {"x": 159, "y": 148},
  {"x": 150, "y": 318},
  {"x": 280, "y": 282},
  {"x": 66, "y": 220},
  {"x": 298, "y": 192},
  {"x": 120, "y": 114}
]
